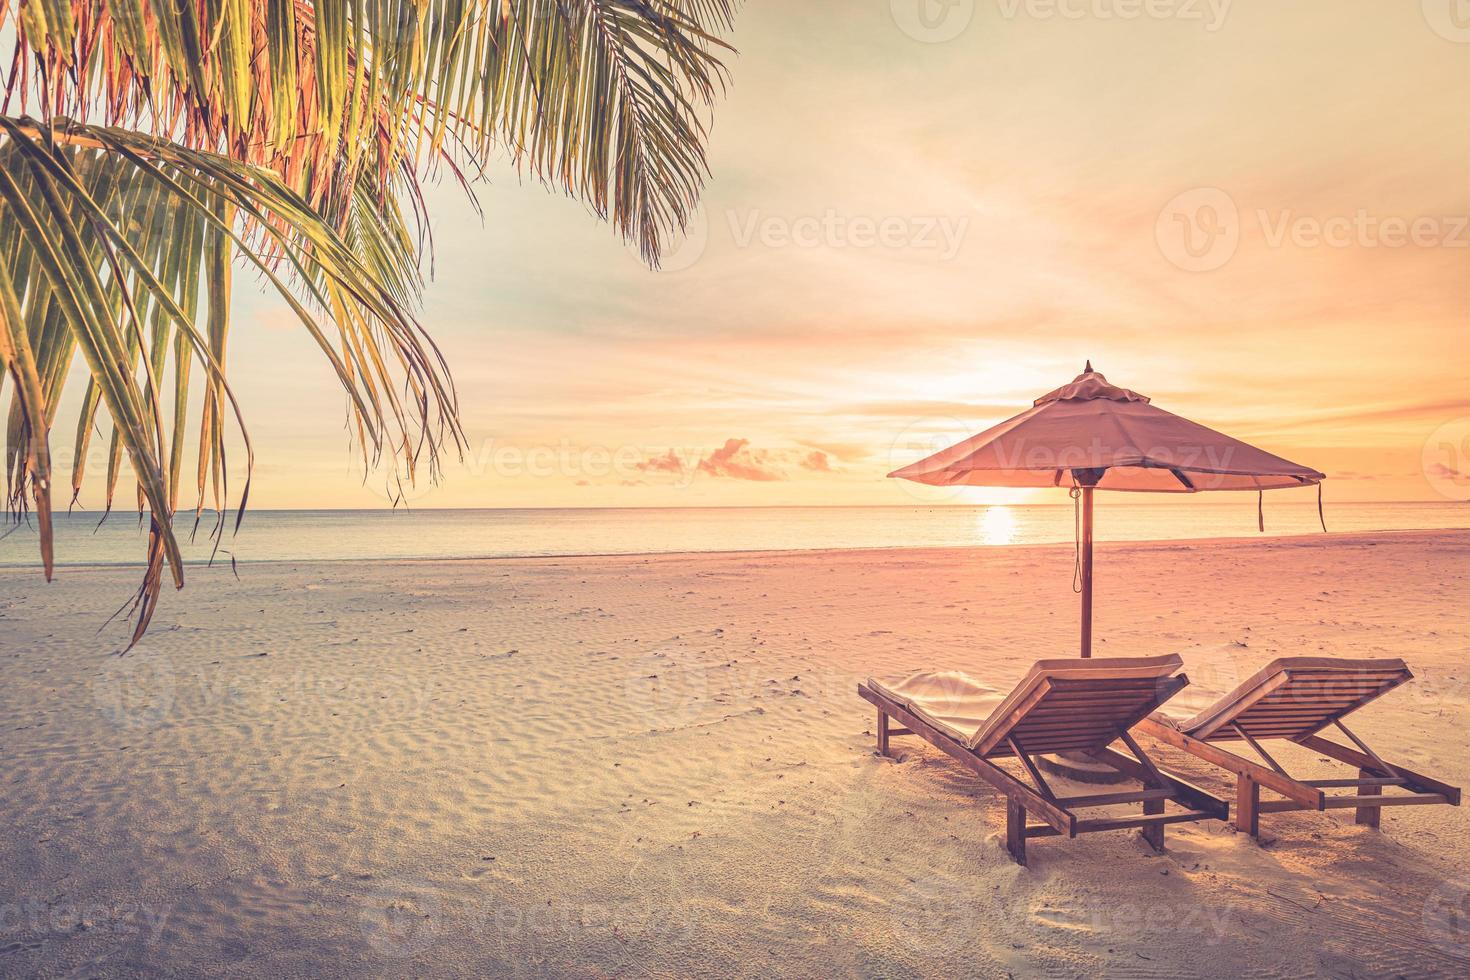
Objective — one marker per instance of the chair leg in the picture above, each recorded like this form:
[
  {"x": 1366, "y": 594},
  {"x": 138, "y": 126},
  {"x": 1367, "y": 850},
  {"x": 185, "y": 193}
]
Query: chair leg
[
  {"x": 1247, "y": 806},
  {"x": 882, "y": 732},
  {"x": 1016, "y": 830},
  {"x": 1153, "y": 834},
  {"x": 1368, "y": 816}
]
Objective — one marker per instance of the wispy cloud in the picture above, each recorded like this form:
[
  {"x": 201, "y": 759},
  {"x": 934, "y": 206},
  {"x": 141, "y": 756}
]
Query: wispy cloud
[
  {"x": 924, "y": 409},
  {"x": 846, "y": 452},
  {"x": 1394, "y": 413}
]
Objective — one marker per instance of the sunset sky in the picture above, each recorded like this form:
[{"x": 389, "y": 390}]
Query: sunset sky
[{"x": 907, "y": 239}]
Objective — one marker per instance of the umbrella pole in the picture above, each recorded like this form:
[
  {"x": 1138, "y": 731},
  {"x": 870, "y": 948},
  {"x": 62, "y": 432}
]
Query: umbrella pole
[
  {"x": 1078, "y": 765},
  {"x": 1086, "y": 572}
]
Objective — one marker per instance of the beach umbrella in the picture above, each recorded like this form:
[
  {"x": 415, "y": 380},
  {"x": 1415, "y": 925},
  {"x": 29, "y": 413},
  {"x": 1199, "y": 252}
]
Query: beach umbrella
[{"x": 1091, "y": 435}]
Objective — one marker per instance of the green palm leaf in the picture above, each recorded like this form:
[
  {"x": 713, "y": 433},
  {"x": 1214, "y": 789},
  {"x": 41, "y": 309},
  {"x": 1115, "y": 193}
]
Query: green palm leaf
[{"x": 160, "y": 142}]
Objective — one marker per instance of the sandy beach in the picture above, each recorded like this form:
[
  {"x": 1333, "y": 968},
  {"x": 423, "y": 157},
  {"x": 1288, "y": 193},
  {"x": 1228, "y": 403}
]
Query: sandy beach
[{"x": 659, "y": 767}]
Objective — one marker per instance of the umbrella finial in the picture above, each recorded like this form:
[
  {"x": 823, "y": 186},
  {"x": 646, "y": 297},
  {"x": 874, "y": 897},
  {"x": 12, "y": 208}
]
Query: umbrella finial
[{"x": 1088, "y": 369}]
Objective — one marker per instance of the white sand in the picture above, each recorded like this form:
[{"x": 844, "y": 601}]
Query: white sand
[{"x": 659, "y": 766}]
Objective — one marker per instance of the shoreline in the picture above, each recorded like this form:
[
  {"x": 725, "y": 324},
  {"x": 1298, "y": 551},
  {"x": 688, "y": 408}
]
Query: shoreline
[
  {"x": 1325, "y": 538},
  {"x": 1199, "y": 499}
]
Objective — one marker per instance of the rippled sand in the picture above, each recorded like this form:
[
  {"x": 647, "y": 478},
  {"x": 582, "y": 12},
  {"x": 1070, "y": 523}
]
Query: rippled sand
[{"x": 659, "y": 766}]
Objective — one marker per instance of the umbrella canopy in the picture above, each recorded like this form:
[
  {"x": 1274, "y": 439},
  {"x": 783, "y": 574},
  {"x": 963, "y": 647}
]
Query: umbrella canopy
[{"x": 1092, "y": 433}]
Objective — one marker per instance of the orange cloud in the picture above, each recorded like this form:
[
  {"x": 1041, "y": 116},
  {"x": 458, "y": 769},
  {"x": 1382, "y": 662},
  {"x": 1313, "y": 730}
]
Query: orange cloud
[
  {"x": 738, "y": 462},
  {"x": 669, "y": 462},
  {"x": 818, "y": 461}
]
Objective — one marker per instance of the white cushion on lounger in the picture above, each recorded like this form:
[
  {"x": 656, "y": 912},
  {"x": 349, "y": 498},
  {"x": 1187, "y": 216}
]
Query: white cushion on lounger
[{"x": 950, "y": 700}]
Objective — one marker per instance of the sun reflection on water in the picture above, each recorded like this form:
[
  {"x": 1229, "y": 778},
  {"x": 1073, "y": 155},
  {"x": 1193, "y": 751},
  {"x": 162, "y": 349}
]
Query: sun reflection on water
[{"x": 996, "y": 525}]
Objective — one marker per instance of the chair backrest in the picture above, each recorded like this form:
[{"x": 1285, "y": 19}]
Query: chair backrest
[
  {"x": 1078, "y": 705},
  {"x": 1297, "y": 696}
]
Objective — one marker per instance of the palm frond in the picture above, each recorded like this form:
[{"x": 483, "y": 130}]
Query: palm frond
[{"x": 150, "y": 146}]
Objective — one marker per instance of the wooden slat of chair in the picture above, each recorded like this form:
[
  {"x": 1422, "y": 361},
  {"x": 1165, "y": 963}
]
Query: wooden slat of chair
[
  {"x": 1019, "y": 711},
  {"x": 1262, "y": 691},
  {"x": 1368, "y": 802},
  {"x": 1353, "y": 783},
  {"x": 1154, "y": 822},
  {"x": 1302, "y": 701},
  {"x": 1296, "y": 694},
  {"x": 1054, "y": 733},
  {"x": 1109, "y": 799}
]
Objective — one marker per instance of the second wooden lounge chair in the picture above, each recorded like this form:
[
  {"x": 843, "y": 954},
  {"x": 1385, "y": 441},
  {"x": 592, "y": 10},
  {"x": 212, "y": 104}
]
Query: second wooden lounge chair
[
  {"x": 1296, "y": 698},
  {"x": 1060, "y": 706}
]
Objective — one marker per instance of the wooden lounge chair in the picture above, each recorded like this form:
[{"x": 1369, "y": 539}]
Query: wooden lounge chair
[
  {"x": 1061, "y": 705},
  {"x": 1296, "y": 698}
]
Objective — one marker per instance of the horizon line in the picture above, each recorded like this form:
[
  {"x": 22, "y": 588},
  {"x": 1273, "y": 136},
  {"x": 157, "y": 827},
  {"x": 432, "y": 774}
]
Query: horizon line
[{"x": 1136, "y": 500}]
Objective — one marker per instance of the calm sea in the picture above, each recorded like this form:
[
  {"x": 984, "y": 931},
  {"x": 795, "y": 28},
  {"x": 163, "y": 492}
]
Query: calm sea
[{"x": 366, "y": 534}]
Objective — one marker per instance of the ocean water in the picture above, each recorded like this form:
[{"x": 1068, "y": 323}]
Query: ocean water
[{"x": 337, "y": 535}]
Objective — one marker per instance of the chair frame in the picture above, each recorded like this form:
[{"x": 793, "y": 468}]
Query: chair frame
[
  {"x": 1375, "y": 776},
  {"x": 1059, "y": 813}
]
